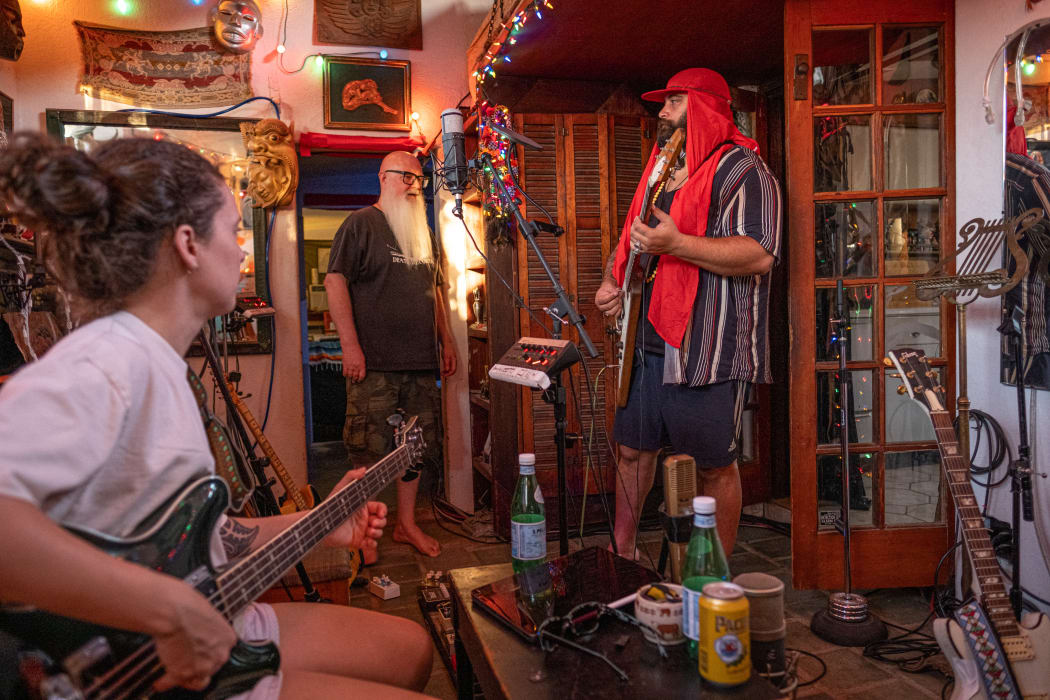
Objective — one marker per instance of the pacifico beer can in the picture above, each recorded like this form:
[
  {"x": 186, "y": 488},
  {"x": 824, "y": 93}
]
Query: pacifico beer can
[{"x": 725, "y": 638}]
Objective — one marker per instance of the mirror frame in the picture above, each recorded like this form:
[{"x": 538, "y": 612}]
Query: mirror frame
[{"x": 57, "y": 119}]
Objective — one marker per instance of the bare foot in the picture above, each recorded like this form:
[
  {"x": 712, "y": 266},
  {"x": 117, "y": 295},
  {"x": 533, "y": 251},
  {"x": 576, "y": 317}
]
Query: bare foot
[
  {"x": 412, "y": 535},
  {"x": 637, "y": 552}
]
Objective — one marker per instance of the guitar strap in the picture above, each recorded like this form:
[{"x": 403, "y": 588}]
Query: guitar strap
[
  {"x": 996, "y": 677},
  {"x": 219, "y": 442}
]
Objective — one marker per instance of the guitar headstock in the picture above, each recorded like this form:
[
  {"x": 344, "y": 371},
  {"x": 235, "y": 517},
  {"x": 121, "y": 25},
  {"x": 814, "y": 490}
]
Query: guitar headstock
[
  {"x": 918, "y": 377},
  {"x": 409, "y": 434}
]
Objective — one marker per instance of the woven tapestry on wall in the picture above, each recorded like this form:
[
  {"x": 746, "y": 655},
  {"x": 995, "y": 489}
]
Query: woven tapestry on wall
[
  {"x": 181, "y": 68},
  {"x": 395, "y": 24}
]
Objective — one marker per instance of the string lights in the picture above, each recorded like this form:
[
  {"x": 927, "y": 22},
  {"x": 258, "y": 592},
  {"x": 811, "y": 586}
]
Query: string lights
[
  {"x": 503, "y": 154},
  {"x": 497, "y": 50}
]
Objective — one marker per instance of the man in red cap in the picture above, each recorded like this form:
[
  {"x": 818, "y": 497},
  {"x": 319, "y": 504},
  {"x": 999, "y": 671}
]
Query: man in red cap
[{"x": 706, "y": 254}]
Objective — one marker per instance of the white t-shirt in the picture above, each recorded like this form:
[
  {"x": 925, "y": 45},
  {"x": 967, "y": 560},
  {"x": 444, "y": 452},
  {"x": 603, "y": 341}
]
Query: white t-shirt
[{"x": 102, "y": 429}]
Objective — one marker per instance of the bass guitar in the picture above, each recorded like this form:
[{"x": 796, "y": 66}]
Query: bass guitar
[
  {"x": 83, "y": 660},
  {"x": 992, "y": 655},
  {"x": 627, "y": 324},
  {"x": 296, "y": 499}
]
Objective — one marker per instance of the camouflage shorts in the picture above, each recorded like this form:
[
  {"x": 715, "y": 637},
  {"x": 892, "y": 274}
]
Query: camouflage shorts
[{"x": 367, "y": 435}]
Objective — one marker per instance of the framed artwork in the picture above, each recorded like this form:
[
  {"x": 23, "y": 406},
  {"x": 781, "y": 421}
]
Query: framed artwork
[
  {"x": 367, "y": 93},
  {"x": 220, "y": 141},
  {"x": 395, "y": 24}
]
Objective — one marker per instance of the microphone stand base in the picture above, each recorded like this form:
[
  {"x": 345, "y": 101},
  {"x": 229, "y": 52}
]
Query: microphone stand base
[{"x": 862, "y": 629}]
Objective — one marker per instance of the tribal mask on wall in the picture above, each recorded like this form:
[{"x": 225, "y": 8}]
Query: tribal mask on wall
[{"x": 237, "y": 24}]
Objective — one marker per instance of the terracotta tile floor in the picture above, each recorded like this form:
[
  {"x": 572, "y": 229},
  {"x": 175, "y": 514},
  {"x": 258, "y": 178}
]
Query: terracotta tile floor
[{"x": 849, "y": 674}]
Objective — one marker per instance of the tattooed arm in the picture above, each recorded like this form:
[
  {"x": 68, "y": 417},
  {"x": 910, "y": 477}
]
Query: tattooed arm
[{"x": 237, "y": 538}]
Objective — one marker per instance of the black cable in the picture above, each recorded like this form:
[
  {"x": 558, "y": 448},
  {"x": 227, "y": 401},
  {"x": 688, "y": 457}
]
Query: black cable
[
  {"x": 595, "y": 463},
  {"x": 823, "y": 667},
  {"x": 276, "y": 109},
  {"x": 518, "y": 301},
  {"x": 999, "y": 453}
]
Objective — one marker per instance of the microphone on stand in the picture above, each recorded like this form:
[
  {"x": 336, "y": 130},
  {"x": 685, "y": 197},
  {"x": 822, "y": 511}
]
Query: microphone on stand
[{"x": 454, "y": 168}]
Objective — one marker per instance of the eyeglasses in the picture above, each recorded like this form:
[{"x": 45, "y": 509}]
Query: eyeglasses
[{"x": 409, "y": 178}]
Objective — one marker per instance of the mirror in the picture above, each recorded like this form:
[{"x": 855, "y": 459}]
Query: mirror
[
  {"x": 219, "y": 140},
  {"x": 1026, "y": 185}
]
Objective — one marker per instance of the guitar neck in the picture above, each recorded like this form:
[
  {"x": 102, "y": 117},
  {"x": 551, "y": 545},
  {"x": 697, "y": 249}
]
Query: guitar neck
[
  {"x": 250, "y": 577},
  {"x": 276, "y": 464},
  {"x": 994, "y": 598}
]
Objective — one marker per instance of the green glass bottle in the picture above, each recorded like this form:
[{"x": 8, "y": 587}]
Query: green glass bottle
[
  {"x": 704, "y": 562},
  {"x": 528, "y": 521}
]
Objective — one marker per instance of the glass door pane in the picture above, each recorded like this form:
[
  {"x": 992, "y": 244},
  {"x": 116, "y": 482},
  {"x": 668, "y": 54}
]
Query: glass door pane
[
  {"x": 842, "y": 67},
  {"x": 911, "y": 65}
]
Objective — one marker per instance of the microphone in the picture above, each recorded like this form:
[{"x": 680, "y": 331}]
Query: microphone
[{"x": 454, "y": 169}]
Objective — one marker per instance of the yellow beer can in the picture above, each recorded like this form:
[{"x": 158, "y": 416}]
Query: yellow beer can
[{"x": 725, "y": 637}]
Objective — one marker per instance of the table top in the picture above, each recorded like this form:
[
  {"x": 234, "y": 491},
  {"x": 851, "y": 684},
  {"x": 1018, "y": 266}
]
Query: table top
[{"x": 507, "y": 666}]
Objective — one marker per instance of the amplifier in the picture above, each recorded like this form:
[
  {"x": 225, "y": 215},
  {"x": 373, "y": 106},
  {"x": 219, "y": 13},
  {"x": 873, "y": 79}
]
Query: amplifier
[
  {"x": 533, "y": 361},
  {"x": 254, "y": 307}
]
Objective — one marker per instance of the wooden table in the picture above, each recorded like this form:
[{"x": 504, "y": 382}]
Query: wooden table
[{"x": 506, "y": 666}]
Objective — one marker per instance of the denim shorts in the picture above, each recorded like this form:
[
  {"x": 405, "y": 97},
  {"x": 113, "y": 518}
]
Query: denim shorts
[{"x": 702, "y": 422}]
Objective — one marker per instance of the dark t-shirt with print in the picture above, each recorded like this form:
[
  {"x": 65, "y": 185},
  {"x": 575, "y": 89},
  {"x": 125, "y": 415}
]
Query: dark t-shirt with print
[{"x": 392, "y": 299}]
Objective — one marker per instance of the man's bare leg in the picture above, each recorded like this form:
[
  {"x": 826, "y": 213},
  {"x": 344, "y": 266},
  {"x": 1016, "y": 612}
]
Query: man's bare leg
[
  {"x": 637, "y": 470},
  {"x": 723, "y": 484},
  {"x": 406, "y": 529}
]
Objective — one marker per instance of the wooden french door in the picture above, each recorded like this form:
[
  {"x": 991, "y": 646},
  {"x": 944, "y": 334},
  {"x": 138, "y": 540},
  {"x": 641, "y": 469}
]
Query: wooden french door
[{"x": 869, "y": 102}]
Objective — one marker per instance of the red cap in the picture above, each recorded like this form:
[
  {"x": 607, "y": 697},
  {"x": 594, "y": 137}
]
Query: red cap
[{"x": 699, "y": 79}]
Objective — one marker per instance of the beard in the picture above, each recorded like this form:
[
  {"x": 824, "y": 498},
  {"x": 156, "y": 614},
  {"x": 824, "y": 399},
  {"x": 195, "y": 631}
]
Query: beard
[
  {"x": 408, "y": 220},
  {"x": 666, "y": 127}
]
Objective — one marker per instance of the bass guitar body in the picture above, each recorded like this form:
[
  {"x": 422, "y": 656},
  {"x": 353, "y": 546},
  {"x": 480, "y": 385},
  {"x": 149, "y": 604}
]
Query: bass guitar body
[
  {"x": 175, "y": 541},
  {"x": 1028, "y": 655}
]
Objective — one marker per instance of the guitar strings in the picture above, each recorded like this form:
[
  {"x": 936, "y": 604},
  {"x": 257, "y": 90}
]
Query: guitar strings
[{"x": 218, "y": 598}]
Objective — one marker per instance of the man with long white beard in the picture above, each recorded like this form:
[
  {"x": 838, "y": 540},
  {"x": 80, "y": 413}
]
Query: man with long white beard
[{"x": 386, "y": 298}]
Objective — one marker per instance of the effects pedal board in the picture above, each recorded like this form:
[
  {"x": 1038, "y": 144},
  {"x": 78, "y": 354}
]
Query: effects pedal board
[
  {"x": 533, "y": 361},
  {"x": 435, "y": 603}
]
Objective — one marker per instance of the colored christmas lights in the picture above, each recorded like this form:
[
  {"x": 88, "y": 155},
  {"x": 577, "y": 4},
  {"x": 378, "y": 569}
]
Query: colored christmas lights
[
  {"x": 503, "y": 154},
  {"x": 496, "y": 52}
]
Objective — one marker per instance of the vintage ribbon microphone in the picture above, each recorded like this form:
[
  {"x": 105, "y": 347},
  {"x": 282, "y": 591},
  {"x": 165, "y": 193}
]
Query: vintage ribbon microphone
[{"x": 846, "y": 621}]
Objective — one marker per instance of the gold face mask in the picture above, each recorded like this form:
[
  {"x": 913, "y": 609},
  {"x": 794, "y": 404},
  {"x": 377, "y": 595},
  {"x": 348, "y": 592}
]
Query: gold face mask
[{"x": 273, "y": 169}]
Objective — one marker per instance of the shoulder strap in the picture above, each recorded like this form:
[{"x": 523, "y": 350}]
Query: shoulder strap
[{"x": 226, "y": 464}]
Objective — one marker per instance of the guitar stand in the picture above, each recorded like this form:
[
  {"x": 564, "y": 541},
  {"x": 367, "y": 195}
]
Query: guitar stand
[
  {"x": 262, "y": 496},
  {"x": 846, "y": 621}
]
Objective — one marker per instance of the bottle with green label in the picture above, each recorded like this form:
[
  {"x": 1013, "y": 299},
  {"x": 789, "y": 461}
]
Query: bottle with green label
[
  {"x": 528, "y": 522},
  {"x": 704, "y": 563}
]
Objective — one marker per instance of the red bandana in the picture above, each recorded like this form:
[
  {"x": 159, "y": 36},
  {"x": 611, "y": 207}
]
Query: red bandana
[{"x": 710, "y": 133}]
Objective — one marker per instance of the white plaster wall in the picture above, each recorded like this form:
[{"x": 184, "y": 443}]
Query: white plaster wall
[
  {"x": 46, "y": 77},
  {"x": 980, "y": 27}
]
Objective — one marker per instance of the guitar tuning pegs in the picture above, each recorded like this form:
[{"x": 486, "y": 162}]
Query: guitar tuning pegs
[
  {"x": 901, "y": 390},
  {"x": 887, "y": 361}
]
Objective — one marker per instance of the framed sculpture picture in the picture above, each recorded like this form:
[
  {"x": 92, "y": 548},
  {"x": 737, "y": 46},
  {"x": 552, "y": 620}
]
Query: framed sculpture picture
[
  {"x": 395, "y": 24},
  {"x": 366, "y": 93}
]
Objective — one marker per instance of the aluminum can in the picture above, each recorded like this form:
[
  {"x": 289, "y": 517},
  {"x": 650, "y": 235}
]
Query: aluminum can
[{"x": 725, "y": 639}]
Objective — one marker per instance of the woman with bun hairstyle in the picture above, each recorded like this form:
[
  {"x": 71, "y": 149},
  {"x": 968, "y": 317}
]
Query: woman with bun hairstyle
[{"x": 104, "y": 428}]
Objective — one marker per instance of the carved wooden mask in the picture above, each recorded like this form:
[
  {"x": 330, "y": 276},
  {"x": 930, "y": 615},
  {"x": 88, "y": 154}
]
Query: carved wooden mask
[
  {"x": 11, "y": 31},
  {"x": 273, "y": 168}
]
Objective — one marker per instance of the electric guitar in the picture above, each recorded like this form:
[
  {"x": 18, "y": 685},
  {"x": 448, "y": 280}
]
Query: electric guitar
[
  {"x": 627, "y": 323},
  {"x": 78, "y": 660},
  {"x": 1025, "y": 645}
]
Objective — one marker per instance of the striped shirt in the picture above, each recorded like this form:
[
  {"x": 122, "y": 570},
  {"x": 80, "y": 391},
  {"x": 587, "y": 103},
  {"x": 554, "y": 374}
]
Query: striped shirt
[{"x": 728, "y": 336}]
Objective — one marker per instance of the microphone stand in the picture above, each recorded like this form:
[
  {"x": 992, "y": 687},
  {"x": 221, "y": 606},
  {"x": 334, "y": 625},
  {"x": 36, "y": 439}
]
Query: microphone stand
[
  {"x": 263, "y": 496},
  {"x": 1021, "y": 469},
  {"x": 846, "y": 621},
  {"x": 560, "y": 309}
]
